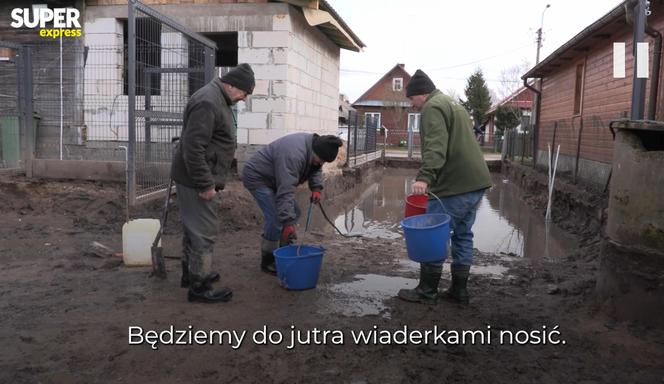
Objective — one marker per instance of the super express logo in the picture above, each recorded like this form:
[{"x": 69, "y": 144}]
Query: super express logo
[{"x": 52, "y": 23}]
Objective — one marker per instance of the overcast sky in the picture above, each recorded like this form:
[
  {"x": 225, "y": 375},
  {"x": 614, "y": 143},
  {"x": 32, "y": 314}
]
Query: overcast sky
[{"x": 450, "y": 39}]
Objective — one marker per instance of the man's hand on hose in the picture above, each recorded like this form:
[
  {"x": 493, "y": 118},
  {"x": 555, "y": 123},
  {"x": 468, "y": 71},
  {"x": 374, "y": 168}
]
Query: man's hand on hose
[
  {"x": 288, "y": 235},
  {"x": 315, "y": 197}
]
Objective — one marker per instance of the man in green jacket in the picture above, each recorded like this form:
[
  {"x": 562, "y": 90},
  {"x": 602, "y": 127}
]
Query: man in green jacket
[
  {"x": 453, "y": 169},
  {"x": 200, "y": 166}
]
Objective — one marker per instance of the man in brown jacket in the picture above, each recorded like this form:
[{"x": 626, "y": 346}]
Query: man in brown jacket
[{"x": 200, "y": 165}]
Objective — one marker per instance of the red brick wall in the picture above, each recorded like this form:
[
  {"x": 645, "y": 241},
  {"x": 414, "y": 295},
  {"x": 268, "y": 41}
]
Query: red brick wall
[
  {"x": 395, "y": 122},
  {"x": 604, "y": 97}
]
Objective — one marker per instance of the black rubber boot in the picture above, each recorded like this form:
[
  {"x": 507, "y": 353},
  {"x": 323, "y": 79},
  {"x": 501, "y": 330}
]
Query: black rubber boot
[
  {"x": 427, "y": 290},
  {"x": 201, "y": 291},
  {"x": 184, "y": 281},
  {"x": 458, "y": 292},
  {"x": 267, "y": 256}
]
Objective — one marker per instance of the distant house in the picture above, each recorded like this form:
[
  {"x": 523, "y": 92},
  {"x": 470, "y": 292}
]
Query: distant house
[
  {"x": 580, "y": 95},
  {"x": 522, "y": 99},
  {"x": 344, "y": 109},
  {"x": 385, "y": 105}
]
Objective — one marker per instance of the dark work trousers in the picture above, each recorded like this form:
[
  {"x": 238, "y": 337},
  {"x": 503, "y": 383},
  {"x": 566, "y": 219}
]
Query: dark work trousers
[{"x": 199, "y": 219}]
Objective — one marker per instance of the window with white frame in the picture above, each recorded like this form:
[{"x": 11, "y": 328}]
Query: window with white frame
[
  {"x": 372, "y": 120},
  {"x": 397, "y": 84},
  {"x": 414, "y": 122}
]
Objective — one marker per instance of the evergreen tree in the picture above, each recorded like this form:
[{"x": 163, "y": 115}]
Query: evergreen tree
[
  {"x": 478, "y": 98},
  {"x": 507, "y": 118}
]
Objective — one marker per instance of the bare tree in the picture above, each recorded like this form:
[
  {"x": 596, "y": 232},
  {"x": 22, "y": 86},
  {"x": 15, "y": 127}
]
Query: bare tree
[
  {"x": 510, "y": 79},
  {"x": 451, "y": 92}
]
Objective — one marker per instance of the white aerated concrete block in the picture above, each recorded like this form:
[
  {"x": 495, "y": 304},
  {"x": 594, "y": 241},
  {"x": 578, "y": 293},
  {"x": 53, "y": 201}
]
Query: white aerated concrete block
[
  {"x": 271, "y": 71},
  {"x": 102, "y": 25},
  {"x": 243, "y": 39},
  {"x": 262, "y": 88},
  {"x": 269, "y": 105},
  {"x": 242, "y": 136},
  {"x": 270, "y": 39},
  {"x": 280, "y": 55},
  {"x": 282, "y": 121},
  {"x": 253, "y": 55},
  {"x": 265, "y": 136},
  {"x": 252, "y": 120},
  {"x": 281, "y": 22}
]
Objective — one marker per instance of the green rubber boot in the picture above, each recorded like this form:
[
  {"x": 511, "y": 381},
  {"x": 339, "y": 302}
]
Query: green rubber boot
[
  {"x": 458, "y": 291},
  {"x": 426, "y": 291}
]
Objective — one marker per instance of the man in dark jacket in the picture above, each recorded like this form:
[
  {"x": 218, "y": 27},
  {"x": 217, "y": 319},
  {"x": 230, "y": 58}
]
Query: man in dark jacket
[
  {"x": 453, "y": 169},
  {"x": 200, "y": 165},
  {"x": 273, "y": 174}
]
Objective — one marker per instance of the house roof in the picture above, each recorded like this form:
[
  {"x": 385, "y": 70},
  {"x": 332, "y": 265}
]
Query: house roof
[
  {"x": 523, "y": 104},
  {"x": 320, "y": 14},
  {"x": 396, "y": 71},
  {"x": 601, "y": 29}
]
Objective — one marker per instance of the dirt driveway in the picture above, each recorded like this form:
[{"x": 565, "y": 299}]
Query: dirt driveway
[{"x": 65, "y": 316}]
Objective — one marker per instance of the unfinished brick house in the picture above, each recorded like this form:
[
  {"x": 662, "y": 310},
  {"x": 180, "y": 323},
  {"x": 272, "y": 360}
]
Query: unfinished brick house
[
  {"x": 385, "y": 105},
  {"x": 293, "y": 47},
  {"x": 580, "y": 95}
]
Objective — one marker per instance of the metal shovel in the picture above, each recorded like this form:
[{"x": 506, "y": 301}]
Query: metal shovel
[{"x": 158, "y": 263}]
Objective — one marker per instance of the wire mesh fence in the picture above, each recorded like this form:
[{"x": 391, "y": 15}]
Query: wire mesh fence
[
  {"x": 362, "y": 134},
  {"x": 166, "y": 64},
  {"x": 518, "y": 146},
  {"x": 11, "y": 153}
]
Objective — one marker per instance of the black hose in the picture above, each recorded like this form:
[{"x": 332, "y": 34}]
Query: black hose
[{"x": 322, "y": 210}]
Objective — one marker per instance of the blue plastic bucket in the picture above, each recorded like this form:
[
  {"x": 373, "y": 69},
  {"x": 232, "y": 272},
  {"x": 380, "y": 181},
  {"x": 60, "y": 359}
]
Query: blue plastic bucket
[
  {"x": 427, "y": 236},
  {"x": 298, "y": 270}
]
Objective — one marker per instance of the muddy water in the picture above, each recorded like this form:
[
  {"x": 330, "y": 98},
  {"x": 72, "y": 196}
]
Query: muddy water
[
  {"x": 505, "y": 224},
  {"x": 505, "y": 227}
]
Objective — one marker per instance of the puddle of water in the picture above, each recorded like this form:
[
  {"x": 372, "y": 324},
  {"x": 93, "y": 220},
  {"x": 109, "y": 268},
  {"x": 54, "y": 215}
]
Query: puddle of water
[
  {"x": 366, "y": 295},
  {"x": 505, "y": 224},
  {"x": 494, "y": 271}
]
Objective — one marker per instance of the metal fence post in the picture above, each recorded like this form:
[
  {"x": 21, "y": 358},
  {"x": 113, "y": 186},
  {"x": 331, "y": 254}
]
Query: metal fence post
[
  {"x": 21, "y": 102},
  {"x": 410, "y": 141},
  {"x": 29, "y": 118},
  {"x": 348, "y": 143},
  {"x": 355, "y": 145},
  {"x": 209, "y": 64},
  {"x": 578, "y": 150},
  {"x": 131, "y": 103}
]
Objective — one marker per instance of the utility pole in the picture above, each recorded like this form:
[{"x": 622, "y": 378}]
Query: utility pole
[
  {"x": 539, "y": 35},
  {"x": 537, "y": 97},
  {"x": 638, "y": 83}
]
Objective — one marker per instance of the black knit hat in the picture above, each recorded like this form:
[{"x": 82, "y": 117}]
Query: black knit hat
[
  {"x": 419, "y": 84},
  {"x": 327, "y": 147},
  {"x": 241, "y": 77}
]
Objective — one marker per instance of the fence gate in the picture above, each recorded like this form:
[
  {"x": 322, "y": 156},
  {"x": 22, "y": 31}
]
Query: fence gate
[
  {"x": 361, "y": 137},
  {"x": 15, "y": 107},
  {"x": 166, "y": 64}
]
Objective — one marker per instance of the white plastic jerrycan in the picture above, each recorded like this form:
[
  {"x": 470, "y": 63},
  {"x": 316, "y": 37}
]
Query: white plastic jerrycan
[{"x": 137, "y": 238}]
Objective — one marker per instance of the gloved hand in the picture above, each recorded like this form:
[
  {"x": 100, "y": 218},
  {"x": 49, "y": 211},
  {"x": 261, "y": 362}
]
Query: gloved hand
[
  {"x": 315, "y": 197},
  {"x": 288, "y": 235}
]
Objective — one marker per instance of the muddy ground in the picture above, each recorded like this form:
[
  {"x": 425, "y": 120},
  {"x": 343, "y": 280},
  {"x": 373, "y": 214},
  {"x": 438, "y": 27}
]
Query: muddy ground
[{"x": 65, "y": 315}]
